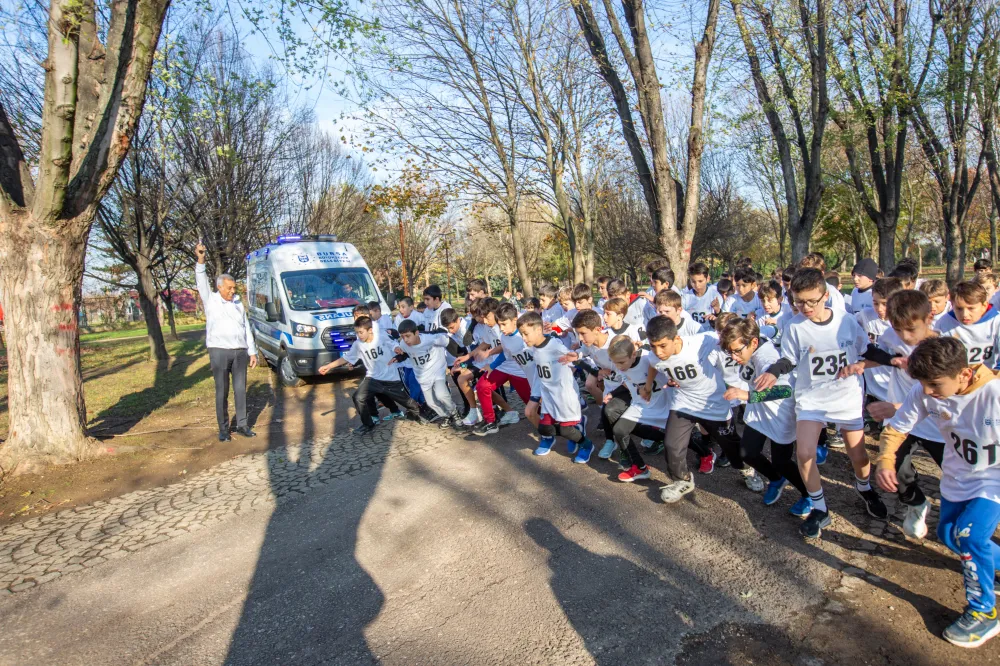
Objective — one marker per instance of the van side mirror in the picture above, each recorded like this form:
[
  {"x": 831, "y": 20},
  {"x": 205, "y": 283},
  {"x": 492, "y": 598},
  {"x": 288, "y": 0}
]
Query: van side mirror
[
  {"x": 271, "y": 311},
  {"x": 390, "y": 300}
]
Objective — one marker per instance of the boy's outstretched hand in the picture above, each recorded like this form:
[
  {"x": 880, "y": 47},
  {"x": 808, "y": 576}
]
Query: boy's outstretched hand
[
  {"x": 566, "y": 359},
  {"x": 852, "y": 369},
  {"x": 765, "y": 381}
]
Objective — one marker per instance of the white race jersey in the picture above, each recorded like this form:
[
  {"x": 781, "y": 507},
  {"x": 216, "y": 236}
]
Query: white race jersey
[
  {"x": 656, "y": 410},
  {"x": 376, "y": 356},
  {"x": 554, "y": 383},
  {"x": 698, "y": 371},
  {"x": 876, "y": 379},
  {"x": 428, "y": 357},
  {"x": 735, "y": 303},
  {"x": 901, "y": 383},
  {"x": 775, "y": 419},
  {"x": 981, "y": 339},
  {"x": 700, "y": 307}
]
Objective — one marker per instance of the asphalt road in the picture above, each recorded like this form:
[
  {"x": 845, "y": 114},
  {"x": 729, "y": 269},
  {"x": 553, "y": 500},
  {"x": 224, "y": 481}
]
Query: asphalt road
[{"x": 475, "y": 552}]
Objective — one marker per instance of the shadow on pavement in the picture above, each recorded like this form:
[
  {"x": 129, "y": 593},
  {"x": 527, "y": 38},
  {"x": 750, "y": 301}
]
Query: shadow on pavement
[{"x": 309, "y": 598}]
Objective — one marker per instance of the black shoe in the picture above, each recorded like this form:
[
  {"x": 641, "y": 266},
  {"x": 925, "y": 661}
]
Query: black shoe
[
  {"x": 246, "y": 432},
  {"x": 363, "y": 429},
  {"x": 873, "y": 503},
  {"x": 224, "y": 437},
  {"x": 813, "y": 526},
  {"x": 485, "y": 428},
  {"x": 446, "y": 422},
  {"x": 722, "y": 461}
]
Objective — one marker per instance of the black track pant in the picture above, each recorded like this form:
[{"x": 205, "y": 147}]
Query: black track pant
[
  {"x": 572, "y": 433},
  {"x": 679, "y": 427},
  {"x": 782, "y": 463},
  {"x": 906, "y": 476},
  {"x": 613, "y": 409},
  {"x": 627, "y": 432},
  {"x": 395, "y": 391}
]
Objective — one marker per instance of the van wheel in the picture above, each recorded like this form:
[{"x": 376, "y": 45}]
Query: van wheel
[{"x": 286, "y": 373}]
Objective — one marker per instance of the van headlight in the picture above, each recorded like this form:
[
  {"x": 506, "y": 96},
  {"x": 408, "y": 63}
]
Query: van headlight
[{"x": 303, "y": 330}]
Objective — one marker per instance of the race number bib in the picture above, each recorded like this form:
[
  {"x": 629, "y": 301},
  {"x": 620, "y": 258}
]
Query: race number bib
[{"x": 824, "y": 366}]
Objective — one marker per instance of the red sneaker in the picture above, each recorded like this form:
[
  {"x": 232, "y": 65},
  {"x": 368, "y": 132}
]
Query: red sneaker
[
  {"x": 634, "y": 473},
  {"x": 707, "y": 465}
]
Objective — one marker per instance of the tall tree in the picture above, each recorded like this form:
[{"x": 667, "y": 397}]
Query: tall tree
[
  {"x": 968, "y": 29},
  {"x": 663, "y": 193},
  {"x": 93, "y": 94},
  {"x": 874, "y": 79},
  {"x": 793, "y": 50}
]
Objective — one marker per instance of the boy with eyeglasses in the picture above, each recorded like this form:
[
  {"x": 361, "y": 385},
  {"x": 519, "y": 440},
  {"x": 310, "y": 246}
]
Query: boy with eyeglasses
[{"x": 826, "y": 347}]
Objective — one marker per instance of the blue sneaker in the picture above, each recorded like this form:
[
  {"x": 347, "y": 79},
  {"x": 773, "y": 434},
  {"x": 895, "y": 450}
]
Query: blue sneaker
[
  {"x": 393, "y": 415},
  {"x": 607, "y": 450},
  {"x": 545, "y": 445},
  {"x": 802, "y": 508},
  {"x": 773, "y": 491},
  {"x": 572, "y": 447},
  {"x": 822, "y": 451},
  {"x": 583, "y": 455},
  {"x": 973, "y": 628}
]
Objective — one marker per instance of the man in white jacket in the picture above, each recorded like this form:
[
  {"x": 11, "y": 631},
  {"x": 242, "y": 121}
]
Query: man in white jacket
[{"x": 230, "y": 344}]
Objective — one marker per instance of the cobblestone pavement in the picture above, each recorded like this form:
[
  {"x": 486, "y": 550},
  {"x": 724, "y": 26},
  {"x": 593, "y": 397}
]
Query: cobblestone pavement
[{"x": 42, "y": 549}]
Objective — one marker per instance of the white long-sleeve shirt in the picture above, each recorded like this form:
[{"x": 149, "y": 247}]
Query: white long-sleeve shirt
[{"x": 226, "y": 323}]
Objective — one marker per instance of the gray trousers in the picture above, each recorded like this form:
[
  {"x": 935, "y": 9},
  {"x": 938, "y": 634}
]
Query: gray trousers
[
  {"x": 225, "y": 362},
  {"x": 438, "y": 397}
]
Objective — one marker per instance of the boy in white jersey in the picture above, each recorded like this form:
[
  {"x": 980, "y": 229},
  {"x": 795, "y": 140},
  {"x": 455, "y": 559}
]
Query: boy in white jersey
[
  {"x": 834, "y": 299},
  {"x": 940, "y": 297},
  {"x": 702, "y": 295},
  {"x": 554, "y": 389},
  {"x": 548, "y": 297},
  {"x": 669, "y": 304},
  {"x": 909, "y": 312},
  {"x": 485, "y": 344},
  {"x": 693, "y": 367},
  {"x": 822, "y": 343},
  {"x": 744, "y": 302},
  {"x": 615, "y": 311},
  {"x": 974, "y": 322},
  {"x": 605, "y": 385},
  {"x": 734, "y": 374},
  {"x": 435, "y": 306},
  {"x": 864, "y": 275},
  {"x": 777, "y": 312},
  {"x": 962, "y": 402},
  {"x": 408, "y": 313},
  {"x": 769, "y": 414},
  {"x": 643, "y": 418},
  {"x": 875, "y": 323},
  {"x": 426, "y": 352},
  {"x": 381, "y": 379},
  {"x": 636, "y": 312},
  {"x": 661, "y": 279},
  {"x": 507, "y": 365}
]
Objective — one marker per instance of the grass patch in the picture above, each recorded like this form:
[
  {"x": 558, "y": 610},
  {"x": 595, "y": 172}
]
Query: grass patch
[
  {"x": 122, "y": 386},
  {"x": 133, "y": 331}
]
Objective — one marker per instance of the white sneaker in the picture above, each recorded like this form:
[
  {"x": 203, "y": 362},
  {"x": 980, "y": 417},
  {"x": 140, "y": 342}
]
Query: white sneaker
[
  {"x": 915, "y": 522},
  {"x": 509, "y": 418},
  {"x": 472, "y": 418},
  {"x": 752, "y": 479},
  {"x": 673, "y": 492},
  {"x": 834, "y": 440}
]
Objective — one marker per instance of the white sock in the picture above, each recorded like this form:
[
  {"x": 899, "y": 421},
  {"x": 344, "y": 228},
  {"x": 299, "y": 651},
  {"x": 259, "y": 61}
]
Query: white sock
[
  {"x": 862, "y": 484},
  {"x": 818, "y": 500}
]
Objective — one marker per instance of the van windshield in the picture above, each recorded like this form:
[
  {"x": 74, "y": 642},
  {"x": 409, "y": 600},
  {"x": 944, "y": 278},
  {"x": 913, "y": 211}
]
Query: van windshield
[{"x": 327, "y": 288}]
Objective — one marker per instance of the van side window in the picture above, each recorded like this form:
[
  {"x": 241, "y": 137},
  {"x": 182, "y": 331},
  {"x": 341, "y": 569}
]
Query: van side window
[
  {"x": 259, "y": 289},
  {"x": 275, "y": 297}
]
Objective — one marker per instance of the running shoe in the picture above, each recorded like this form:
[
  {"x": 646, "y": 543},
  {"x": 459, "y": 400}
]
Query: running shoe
[
  {"x": 773, "y": 492},
  {"x": 707, "y": 465},
  {"x": 812, "y": 527},
  {"x": 446, "y": 422},
  {"x": 802, "y": 508},
  {"x": 571, "y": 447},
  {"x": 723, "y": 461},
  {"x": 607, "y": 450},
  {"x": 634, "y": 473},
  {"x": 624, "y": 462},
  {"x": 972, "y": 629},
  {"x": 822, "y": 451},
  {"x": 873, "y": 503},
  {"x": 753, "y": 480},
  {"x": 510, "y": 418},
  {"x": 472, "y": 418},
  {"x": 584, "y": 452},
  {"x": 544, "y": 446},
  {"x": 655, "y": 448},
  {"x": 393, "y": 415},
  {"x": 834, "y": 440},
  {"x": 915, "y": 522},
  {"x": 675, "y": 491},
  {"x": 485, "y": 428}
]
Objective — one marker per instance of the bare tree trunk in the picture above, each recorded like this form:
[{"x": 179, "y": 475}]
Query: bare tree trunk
[
  {"x": 147, "y": 302},
  {"x": 42, "y": 275},
  {"x": 518, "y": 242}
]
